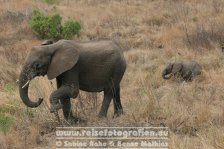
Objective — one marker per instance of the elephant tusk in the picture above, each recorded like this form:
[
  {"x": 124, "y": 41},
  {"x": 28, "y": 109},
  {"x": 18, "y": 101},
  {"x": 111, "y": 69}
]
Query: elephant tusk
[{"x": 26, "y": 84}]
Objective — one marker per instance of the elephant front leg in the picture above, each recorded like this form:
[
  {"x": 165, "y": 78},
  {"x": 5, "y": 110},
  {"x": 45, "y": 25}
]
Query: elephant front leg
[
  {"x": 65, "y": 92},
  {"x": 67, "y": 111}
]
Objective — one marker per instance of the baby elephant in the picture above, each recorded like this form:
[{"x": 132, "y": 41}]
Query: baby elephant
[{"x": 182, "y": 70}]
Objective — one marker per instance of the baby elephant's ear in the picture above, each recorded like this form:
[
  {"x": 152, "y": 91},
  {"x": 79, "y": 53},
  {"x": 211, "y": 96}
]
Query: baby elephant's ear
[
  {"x": 177, "y": 67},
  {"x": 62, "y": 60}
]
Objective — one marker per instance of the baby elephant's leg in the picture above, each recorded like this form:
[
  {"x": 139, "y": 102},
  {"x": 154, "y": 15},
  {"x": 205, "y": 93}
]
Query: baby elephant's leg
[
  {"x": 188, "y": 76},
  {"x": 63, "y": 93}
]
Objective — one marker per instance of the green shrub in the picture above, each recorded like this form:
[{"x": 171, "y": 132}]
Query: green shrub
[
  {"x": 52, "y": 1},
  {"x": 10, "y": 108},
  {"x": 5, "y": 123},
  {"x": 55, "y": 27},
  {"x": 71, "y": 28},
  {"x": 50, "y": 26},
  {"x": 13, "y": 109},
  {"x": 46, "y": 26},
  {"x": 10, "y": 87}
]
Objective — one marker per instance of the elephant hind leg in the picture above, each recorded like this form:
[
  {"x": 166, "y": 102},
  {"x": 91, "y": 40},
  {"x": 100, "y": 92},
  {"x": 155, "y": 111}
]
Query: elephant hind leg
[
  {"x": 188, "y": 76},
  {"x": 108, "y": 95},
  {"x": 118, "y": 110},
  {"x": 106, "y": 103}
]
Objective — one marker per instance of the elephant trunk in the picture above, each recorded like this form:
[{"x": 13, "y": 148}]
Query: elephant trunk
[
  {"x": 23, "y": 90},
  {"x": 164, "y": 75}
]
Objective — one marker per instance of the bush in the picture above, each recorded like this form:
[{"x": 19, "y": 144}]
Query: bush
[
  {"x": 5, "y": 123},
  {"x": 52, "y": 1},
  {"x": 71, "y": 28},
  {"x": 10, "y": 113},
  {"x": 10, "y": 87},
  {"x": 50, "y": 26}
]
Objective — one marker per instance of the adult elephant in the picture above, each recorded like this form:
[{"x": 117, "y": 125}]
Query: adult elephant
[
  {"x": 182, "y": 70},
  {"x": 93, "y": 66}
]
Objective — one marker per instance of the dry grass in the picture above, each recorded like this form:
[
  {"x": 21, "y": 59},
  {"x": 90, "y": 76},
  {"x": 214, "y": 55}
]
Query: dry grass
[{"x": 151, "y": 33}]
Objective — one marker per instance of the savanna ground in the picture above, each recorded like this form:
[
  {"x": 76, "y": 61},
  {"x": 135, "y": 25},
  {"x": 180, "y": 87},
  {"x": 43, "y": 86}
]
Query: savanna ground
[{"x": 151, "y": 33}]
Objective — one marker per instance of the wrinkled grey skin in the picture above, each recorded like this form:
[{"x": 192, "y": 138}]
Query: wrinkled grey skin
[
  {"x": 182, "y": 70},
  {"x": 93, "y": 66}
]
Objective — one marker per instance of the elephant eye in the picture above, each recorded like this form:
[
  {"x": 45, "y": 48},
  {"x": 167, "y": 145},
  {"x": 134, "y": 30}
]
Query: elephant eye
[{"x": 37, "y": 65}]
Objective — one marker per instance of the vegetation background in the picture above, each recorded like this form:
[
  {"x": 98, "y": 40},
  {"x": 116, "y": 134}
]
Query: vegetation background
[{"x": 152, "y": 33}]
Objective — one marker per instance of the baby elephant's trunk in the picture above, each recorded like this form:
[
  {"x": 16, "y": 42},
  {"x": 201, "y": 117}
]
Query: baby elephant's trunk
[{"x": 166, "y": 75}]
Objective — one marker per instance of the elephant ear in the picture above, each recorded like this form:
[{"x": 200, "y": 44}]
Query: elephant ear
[
  {"x": 62, "y": 60},
  {"x": 177, "y": 67},
  {"x": 47, "y": 42}
]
